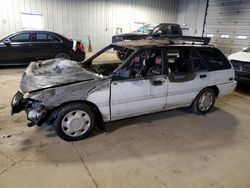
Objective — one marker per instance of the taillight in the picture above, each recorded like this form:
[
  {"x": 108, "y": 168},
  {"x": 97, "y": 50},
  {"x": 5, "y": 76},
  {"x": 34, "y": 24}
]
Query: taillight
[{"x": 80, "y": 47}]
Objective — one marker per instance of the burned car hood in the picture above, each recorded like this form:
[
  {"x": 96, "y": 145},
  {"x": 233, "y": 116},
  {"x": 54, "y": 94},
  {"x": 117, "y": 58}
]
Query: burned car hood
[{"x": 54, "y": 72}]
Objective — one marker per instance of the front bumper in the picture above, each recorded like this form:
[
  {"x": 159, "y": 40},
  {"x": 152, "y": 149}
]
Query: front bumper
[
  {"x": 35, "y": 110},
  {"x": 242, "y": 76}
]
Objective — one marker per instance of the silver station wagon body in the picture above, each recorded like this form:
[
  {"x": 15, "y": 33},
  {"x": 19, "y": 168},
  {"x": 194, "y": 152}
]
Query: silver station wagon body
[{"x": 152, "y": 76}]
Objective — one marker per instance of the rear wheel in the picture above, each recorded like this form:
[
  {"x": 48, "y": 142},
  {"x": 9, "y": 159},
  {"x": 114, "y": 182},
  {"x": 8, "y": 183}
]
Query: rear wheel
[
  {"x": 62, "y": 55},
  {"x": 74, "y": 122},
  {"x": 120, "y": 55},
  {"x": 204, "y": 101}
]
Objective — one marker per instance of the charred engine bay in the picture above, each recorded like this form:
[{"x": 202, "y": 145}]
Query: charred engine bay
[{"x": 103, "y": 69}]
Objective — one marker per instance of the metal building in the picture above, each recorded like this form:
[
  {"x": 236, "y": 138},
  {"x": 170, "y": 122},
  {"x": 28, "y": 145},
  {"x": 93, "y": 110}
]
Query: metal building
[
  {"x": 228, "y": 24},
  {"x": 79, "y": 19}
]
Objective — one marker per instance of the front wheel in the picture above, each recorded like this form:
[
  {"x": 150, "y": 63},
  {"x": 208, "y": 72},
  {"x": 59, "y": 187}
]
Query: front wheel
[
  {"x": 204, "y": 101},
  {"x": 74, "y": 122}
]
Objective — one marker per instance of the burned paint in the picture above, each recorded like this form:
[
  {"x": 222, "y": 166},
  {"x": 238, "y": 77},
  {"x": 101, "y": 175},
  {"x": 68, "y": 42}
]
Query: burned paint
[{"x": 54, "y": 72}]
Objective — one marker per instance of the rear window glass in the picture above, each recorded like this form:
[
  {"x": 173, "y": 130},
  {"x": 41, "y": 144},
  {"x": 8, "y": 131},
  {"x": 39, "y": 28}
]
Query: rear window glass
[
  {"x": 175, "y": 30},
  {"x": 183, "y": 60},
  {"x": 214, "y": 58},
  {"x": 24, "y": 37},
  {"x": 43, "y": 37}
]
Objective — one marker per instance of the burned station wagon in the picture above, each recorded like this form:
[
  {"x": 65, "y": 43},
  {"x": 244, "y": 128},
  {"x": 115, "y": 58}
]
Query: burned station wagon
[{"x": 154, "y": 75}]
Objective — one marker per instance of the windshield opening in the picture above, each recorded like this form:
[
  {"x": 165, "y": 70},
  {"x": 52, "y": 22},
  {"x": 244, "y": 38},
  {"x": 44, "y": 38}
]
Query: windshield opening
[
  {"x": 109, "y": 60},
  {"x": 146, "y": 28}
]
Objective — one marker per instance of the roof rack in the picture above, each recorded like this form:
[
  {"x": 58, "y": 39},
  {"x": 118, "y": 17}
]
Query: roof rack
[{"x": 189, "y": 40}]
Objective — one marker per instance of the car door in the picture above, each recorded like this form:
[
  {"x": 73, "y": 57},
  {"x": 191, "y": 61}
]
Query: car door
[
  {"x": 139, "y": 94},
  {"x": 5, "y": 52},
  {"x": 44, "y": 45},
  {"x": 18, "y": 50},
  {"x": 187, "y": 76}
]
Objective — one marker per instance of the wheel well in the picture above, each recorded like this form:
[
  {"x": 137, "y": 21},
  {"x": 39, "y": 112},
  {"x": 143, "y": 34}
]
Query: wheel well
[
  {"x": 216, "y": 90},
  {"x": 98, "y": 115}
]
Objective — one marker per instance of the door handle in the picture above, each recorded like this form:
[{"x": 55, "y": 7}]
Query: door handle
[
  {"x": 203, "y": 76},
  {"x": 157, "y": 82}
]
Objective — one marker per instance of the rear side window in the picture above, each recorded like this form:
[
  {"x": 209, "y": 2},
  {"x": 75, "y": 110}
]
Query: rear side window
[
  {"x": 214, "y": 58},
  {"x": 163, "y": 28},
  {"x": 24, "y": 37},
  {"x": 43, "y": 37},
  {"x": 175, "y": 30},
  {"x": 183, "y": 60}
]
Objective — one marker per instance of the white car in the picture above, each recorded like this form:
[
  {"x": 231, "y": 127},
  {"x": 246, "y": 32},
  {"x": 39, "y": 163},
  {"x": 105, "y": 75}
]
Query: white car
[
  {"x": 155, "y": 75},
  {"x": 241, "y": 64}
]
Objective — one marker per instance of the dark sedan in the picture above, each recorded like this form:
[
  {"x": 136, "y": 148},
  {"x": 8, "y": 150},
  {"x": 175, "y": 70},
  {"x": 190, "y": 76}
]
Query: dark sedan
[{"x": 26, "y": 46}]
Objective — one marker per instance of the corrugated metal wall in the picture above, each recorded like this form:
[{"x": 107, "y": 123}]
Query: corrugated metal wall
[
  {"x": 225, "y": 17},
  {"x": 79, "y": 19},
  {"x": 191, "y": 15}
]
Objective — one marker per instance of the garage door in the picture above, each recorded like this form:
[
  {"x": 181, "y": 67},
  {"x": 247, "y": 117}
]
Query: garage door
[{"x": 228, "y": 23}]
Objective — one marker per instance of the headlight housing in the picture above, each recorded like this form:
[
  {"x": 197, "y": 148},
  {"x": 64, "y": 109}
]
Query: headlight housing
[
  {"x": 36, "y": 111},
  {"x": 17, "y": 103}
]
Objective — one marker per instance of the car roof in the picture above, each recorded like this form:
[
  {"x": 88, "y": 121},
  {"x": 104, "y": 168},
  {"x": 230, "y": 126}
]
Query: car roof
[
  {"x": 150, "y": 43},
  {"x": 37, "y": 31},
  {"x": 34, "y": 31},
  {"x": 142, "y": 43}
]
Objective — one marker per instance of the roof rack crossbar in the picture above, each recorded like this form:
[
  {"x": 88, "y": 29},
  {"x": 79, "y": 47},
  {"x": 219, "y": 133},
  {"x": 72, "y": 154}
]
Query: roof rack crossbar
[{"x": 187, "y": 40}]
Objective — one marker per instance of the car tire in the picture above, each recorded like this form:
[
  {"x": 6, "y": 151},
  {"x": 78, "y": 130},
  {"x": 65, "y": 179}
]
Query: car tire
[
  {"x": 204, "y": 101},
  {"x": 62, "y": 55},
  {"x": 74, "y": 121},
  {"x": 120, "y": 55}
]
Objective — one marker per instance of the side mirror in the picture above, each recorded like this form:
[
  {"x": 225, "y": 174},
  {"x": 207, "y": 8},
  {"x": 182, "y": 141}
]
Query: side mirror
[
  {"x": 7, "y": 41},
  {"x": 157, "y": 33}
]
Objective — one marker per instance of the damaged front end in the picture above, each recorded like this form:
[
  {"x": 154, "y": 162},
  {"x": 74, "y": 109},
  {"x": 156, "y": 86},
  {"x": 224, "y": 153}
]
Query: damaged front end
[
  {"x": 45, "y": 85},
  {"x": 35, "y": 110}
]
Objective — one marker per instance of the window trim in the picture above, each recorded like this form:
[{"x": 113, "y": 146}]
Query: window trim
[
  {"x": 19, "y": 34},
  {"x": 32, "y": 42},
  {"x": 132, "y": 56},
  {"x": 35, "y": 33},
  {"x": 203, "y": 63},
  {"x": 213, "y": 48}
]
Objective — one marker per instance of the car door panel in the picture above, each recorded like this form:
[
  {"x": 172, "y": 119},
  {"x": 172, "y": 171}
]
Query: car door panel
[
  {"x": 43, "y": 50},
  {"x": 44, "y": 47},
  {"x": 128, "y": 97},
  {"x": 187, "y": 76},
  {"x": 182, "y": 93},
  {"x": 22, "y": 51},
  {"x": 135, "y": 97},
  {"x": 158, "y": 92},
  {"x": 18, "y": 50},
  {"x": 4, "y": 53}
]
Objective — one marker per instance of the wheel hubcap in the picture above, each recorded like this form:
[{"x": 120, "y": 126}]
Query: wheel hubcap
[
  {"x": 205, "y": 101},
  {"x": 75, "y": 123}
]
